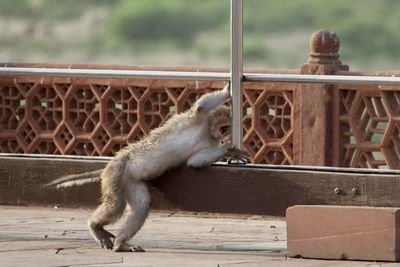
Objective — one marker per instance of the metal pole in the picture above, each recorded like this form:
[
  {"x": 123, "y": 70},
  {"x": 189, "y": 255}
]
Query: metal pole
[
  {"x": 125, "y": 74},
  {"x": 236, "y": 73}
]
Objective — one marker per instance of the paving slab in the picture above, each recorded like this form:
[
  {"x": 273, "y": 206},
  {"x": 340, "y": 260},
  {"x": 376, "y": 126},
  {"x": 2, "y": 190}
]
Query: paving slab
[{"x": 38, "y": 236}]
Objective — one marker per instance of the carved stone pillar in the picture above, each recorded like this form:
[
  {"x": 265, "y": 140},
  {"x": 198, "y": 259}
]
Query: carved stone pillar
[{"x": 313, "y": 103}]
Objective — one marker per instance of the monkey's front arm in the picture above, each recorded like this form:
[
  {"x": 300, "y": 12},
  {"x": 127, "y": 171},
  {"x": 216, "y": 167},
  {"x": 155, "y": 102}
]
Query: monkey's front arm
[{"x": 206, "y": 157}]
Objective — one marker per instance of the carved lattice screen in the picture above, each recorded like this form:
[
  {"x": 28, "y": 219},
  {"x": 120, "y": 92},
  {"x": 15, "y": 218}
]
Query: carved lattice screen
[
  {"x": 98, "y": 117},
  {"x": 369, "y": 126}
]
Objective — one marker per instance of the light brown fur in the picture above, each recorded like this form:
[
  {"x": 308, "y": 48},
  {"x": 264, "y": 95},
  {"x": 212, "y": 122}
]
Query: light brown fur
[{"x": 191, "y": 137}]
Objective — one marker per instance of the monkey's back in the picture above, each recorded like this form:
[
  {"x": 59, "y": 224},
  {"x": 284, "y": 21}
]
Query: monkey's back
[{"x": 166, "y": 147}]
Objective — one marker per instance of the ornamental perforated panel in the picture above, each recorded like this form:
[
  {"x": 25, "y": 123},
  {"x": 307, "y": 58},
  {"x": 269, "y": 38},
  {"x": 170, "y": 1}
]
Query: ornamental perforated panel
[
  {"x": 369, "y": 124},
  {"x": 267, "y": 122},
  {"x": 100, "y": 116}
]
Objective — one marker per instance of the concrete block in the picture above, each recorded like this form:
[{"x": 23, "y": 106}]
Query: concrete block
[{"x": 343, "y": 232}]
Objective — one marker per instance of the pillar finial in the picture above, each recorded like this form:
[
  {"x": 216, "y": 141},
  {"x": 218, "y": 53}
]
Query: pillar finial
[{"x": 324, "y": 47}]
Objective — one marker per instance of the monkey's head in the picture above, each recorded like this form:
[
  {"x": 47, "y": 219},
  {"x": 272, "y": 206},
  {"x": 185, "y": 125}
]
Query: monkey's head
[{"x": 219, "y": 121}]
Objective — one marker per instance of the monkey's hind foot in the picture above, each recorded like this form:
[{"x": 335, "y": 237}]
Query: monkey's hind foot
[
  {"x": 105, "y": 238},
  {"x": 129, "y": 248},
  {"x": 106, "y": 243}
]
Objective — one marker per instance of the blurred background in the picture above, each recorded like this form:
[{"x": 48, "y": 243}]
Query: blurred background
[{"x": 196, "y": 32}]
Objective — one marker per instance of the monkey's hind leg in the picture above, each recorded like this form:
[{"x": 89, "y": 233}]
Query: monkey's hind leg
[
  {"x": 139, "y": 202},
  {"x": 109, "y": 211}
]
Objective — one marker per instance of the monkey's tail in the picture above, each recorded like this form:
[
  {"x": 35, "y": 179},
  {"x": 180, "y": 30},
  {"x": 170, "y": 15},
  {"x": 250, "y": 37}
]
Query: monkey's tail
[{"x": 75, "y": 179}]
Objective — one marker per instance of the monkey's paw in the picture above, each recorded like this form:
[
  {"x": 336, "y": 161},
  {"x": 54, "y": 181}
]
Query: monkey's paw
[
  {"x": 106, "y": 243},
  {"x": 128, "y": 248},
  {"x": 237, "y": 154},
  {"x": 137, "y": 249}
]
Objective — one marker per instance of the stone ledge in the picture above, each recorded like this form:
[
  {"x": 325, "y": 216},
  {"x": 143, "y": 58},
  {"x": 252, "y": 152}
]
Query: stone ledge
[{"x": 238, "y": 189}]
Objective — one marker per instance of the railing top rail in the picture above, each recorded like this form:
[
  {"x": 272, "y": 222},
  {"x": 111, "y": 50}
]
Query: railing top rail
[
  {"x": 331, "y": 79},
  {"x": 121, "y": 74},
  {"x": 197, "y": 76}
]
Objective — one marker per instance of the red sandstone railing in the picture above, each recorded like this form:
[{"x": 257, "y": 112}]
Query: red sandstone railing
[
  {"x": 284, "y": 123},
  {"x": 99, "y": 116},
  {"x": 367, "y": 121}
]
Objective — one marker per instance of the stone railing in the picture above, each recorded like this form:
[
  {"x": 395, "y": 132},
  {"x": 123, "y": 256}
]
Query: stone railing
[
  {"x": 284, "y": 123},
  {"x": 367, "y": 125}
]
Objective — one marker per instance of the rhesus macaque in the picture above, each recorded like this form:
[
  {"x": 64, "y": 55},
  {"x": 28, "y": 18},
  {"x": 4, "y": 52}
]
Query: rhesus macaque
[{"x": 192, "y": 137}]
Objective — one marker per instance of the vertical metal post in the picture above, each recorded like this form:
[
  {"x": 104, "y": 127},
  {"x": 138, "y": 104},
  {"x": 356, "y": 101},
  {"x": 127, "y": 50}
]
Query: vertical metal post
[{"x": 236, "y": 72}]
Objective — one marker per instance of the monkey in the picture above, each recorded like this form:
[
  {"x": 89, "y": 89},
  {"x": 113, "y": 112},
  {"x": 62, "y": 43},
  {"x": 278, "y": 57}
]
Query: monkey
[{"x": 192, "y": 137}]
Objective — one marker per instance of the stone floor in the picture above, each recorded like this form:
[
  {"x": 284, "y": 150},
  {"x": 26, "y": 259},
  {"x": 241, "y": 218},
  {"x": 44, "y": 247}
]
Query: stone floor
[{"x": 37, "y": 236}]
